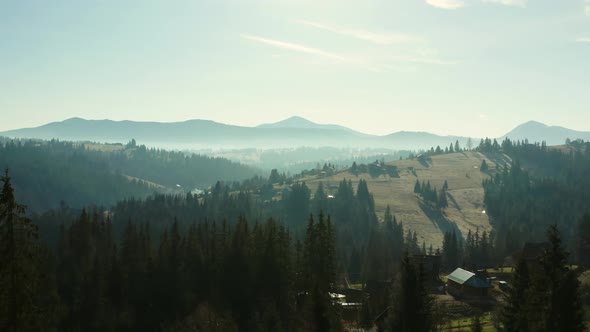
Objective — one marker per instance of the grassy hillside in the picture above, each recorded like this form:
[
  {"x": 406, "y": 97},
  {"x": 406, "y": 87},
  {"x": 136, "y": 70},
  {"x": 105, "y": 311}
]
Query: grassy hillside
[{"x": 465, "y": 194}]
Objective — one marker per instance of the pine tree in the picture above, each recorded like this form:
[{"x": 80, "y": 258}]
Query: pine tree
[
  {"x": 514, "y": 313},
  {"x": 19, "y": 271},
  {"x": 442, "y": 200},
  {"x": 484, "y": 166},
  {"x": 583, "y": 241},
  {"x": 417, "y": 187},
  {"x": 412, "y": 305}
]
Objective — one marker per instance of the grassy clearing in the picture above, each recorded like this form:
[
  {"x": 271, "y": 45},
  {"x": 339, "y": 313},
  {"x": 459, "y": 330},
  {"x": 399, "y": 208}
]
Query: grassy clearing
[
  {"x": 461, "y": 170},
  {"x": 103, "y": 147},
  {"x": 465, "y": 324},
  {"x": 500, "y": 270}
]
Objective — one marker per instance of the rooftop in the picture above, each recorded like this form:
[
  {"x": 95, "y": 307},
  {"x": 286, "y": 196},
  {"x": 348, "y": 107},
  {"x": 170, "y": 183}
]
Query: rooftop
[{"x": 462, "y": 277}]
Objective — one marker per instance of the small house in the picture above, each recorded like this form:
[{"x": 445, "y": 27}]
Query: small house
[{"x": 463, "y": 283}]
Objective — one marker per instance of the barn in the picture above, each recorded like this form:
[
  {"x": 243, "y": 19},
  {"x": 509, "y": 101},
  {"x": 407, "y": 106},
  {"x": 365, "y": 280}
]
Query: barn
[{"x": 463, "y": 283}]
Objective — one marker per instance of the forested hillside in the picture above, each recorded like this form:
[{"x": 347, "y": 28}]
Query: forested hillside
[
  {"x": 49, "y": 174},
  {"x": 542, "y": 186}
]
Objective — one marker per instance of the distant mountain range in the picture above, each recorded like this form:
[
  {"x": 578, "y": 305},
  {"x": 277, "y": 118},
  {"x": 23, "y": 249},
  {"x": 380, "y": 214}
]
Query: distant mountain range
[
  {"x": 292, "y": 132},
  {"x": 552, "y": 135}
]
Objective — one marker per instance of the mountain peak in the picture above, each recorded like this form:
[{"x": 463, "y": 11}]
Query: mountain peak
[
  {"x": 74, "y": 119},
  {"x": 532, "y": 124},
  {"x": 297, "y": 122},
  {"x": 292, "y": 122},
  {"x": 537, "y": 132}
]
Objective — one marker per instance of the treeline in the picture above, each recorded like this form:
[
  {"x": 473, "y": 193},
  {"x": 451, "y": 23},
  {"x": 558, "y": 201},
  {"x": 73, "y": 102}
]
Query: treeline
[
  {"x": 477, "y": 251},
  {"x": 170, "y": 168},
  {"x": 375, "y": 169},
  {"x": 162, "y": 264},
  {"x": 306, "y": 158},
  {"x": 50, "y": 174},
  {"x": 212, "y": 276},
  {"x": 553, "y": 189},
  {"x": 53, "y": 173},
  {"x": 431, "y": 195}
]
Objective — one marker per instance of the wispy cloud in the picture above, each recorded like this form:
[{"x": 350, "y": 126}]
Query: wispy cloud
[
  {"x": 446, "y": 4},
  {"x": 427, "y": 56},
  {"x": 587, "y": 8},
  {"x": 379, "y": 62},
  {"x": 373, "y": 37},
  {"x": 423, "y": 60},
  {"x": 583, "y": 40},
  {"x": 298, "y": 48},
  {"x": 518, "y": 3}
]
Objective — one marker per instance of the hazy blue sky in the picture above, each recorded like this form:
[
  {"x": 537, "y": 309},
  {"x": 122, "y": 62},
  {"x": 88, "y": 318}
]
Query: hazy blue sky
[{"x": 467, "y": 67}]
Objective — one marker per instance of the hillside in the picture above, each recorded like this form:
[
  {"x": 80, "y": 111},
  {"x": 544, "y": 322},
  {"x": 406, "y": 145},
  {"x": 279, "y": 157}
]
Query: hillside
[
  {"x": 465, "y": 194},
  {"x": 49, "y": 174}
]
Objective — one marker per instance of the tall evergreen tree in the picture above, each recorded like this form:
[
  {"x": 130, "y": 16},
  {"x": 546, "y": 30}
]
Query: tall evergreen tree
[
  {"x": 514, "y": 313},
  {"x": 411, "y": 309},
  {"x": 19, "y": 270}
]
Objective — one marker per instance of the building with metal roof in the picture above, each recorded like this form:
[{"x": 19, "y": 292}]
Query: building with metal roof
[{"x": 464, "y": 283}]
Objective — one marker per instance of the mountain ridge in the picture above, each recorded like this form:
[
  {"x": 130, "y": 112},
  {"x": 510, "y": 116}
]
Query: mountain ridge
[
  {"x": 294, "y": 131},
  {"x": 535, "y": 131}
]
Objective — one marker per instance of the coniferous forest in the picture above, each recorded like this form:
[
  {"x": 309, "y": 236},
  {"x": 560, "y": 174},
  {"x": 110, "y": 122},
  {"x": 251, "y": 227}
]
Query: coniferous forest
[{"x": 234, "y": 259}]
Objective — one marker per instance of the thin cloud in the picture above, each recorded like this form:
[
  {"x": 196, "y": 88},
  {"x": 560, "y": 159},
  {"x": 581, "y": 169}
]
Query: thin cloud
[
  {"x": 427, "y": 56},
  {"x": 298, "y": 48},
  {"x": 446, "y": 4},
  {"x": 517, "y": 3},
  {"x": 315, "y": 51},
  {"x": 583, "y": 40},
  {"x": 423, "y": 60},
  {"x": 373, "y": 37},
  {"x": 587, "y": 8}
]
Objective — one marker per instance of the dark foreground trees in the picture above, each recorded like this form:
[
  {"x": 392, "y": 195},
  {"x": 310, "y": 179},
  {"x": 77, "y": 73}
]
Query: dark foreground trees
[
  {"x": 187, "y": 276},
  {"x": 24, "y": 301},
  {"x": 412, "y": 305},
  {"x": 544, "y": 293}
]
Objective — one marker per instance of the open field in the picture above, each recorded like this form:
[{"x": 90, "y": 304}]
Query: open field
[
  {"x": 465, "y": 194},
  {"x": 104, "y": 147}
]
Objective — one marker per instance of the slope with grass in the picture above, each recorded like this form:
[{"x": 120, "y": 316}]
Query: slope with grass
[{"x": 465, "y": 195}]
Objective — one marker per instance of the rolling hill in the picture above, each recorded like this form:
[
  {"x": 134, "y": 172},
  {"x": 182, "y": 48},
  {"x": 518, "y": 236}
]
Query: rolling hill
[
  {"x": 465, "y": 195},
  {"x": 47, "y": 174}
]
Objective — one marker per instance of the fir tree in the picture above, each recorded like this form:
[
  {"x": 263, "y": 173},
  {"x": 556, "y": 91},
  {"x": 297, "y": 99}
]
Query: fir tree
[
  {"x": 19, "y": 271},
  {"x": 412, "y": 305}
]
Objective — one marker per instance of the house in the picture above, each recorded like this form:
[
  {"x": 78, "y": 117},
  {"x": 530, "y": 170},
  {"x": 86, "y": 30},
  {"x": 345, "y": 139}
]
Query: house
[
  {"x": 354, "y": 295},
  {"x": 463, "y": 283}
]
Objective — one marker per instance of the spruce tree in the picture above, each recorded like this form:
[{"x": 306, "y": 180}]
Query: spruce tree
[
  {"x": 484, "y": 166},
  {"x": 411, "y": 309},
  {"x": 514, "y": 313},
  {"x": 19, "y": 267}
]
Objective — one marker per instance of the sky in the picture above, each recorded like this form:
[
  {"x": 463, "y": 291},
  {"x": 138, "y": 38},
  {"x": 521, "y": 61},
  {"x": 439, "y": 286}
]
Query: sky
[{"x": 461, "y": 67}]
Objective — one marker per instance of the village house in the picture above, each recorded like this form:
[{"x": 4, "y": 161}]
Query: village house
[{"x": 463, "y": 283}]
